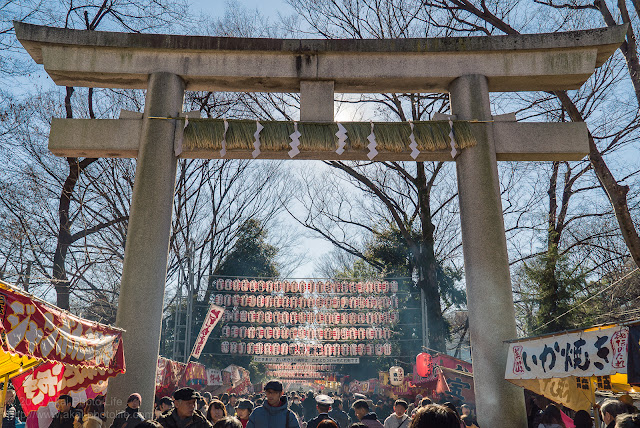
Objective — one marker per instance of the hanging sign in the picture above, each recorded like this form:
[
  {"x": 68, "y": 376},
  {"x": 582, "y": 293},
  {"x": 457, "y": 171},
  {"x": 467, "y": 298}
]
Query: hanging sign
[
  {"x": 45, "y": 383},
  {"x": 587, "y": 353},
  {"x": 306, "y": 360},
  {"x": 214, "y": 315}
]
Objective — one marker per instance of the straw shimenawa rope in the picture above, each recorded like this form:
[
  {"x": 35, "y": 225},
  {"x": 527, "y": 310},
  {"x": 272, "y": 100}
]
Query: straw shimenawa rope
[{"x": 320, "y": 137}]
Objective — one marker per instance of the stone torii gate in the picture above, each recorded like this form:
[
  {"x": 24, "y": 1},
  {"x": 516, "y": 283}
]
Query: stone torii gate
[{"x": 467, "y": 68}]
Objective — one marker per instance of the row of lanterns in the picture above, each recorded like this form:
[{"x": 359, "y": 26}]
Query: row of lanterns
[
  {"x": 309, "y": 317},
  {"x": 318, "y": 302},
  {"x": 328, "y": 349},
  {"x": 294, "y": 333},
  {"x": 261, "y": 286}
]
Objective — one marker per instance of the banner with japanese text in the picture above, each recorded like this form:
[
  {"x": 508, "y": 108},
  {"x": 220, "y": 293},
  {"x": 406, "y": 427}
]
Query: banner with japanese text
[
  {"x": 213, "y": 316},
  {"x": 43, "y": 384},
  {"x": 598, "y": 352},
  {"x": 35, "y": 328}
]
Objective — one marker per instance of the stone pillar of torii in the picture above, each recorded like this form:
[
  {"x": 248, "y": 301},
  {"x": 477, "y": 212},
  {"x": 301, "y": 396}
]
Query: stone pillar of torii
[{"x": 467, "y": 68}]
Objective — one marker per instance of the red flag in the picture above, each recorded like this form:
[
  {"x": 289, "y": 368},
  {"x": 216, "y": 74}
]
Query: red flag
[
  {"x": 214, "y": 315},
  {"x": 441, "y": 386}
]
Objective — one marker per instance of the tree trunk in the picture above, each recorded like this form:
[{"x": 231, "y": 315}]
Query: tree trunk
[{"x": 428, "y": 267}]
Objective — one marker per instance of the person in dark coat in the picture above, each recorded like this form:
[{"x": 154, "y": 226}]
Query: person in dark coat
[
  {"x": 309, "y": 405},
  {"x": 323, "y": 404},
  {"x": 65, "y": 416},
  {"x": 130, "y": 417},
  {"x": 338, "y": 415},
  {"x": 184, "y": 413}
]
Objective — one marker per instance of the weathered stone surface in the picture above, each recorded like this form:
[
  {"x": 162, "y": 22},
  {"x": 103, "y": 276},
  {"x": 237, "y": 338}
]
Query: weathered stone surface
[{"x": 553, "y": 61}]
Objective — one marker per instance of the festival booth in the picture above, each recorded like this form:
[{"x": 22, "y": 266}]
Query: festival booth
[
  {"x": 47, "y": 351},
  {"x": 571, "y": 368}
]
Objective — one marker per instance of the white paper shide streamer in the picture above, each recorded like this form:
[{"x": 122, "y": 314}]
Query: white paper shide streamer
[
  {"x": 256, "y": 143},
  {"x": 295, "y": 141},
  {"x": 372, "y": 144},
  {"x": 342, "y": 138},
  {"x": 223, "y": 152},
  {"x": 413, "y": 146},
  {"x": 454, "y": 152}
]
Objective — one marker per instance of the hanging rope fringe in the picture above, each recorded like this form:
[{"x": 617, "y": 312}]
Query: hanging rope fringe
[
  {"x": 395, "y": 137},
  {"x": 372, "y": 144},
  {"x": 295, "y": 141}
]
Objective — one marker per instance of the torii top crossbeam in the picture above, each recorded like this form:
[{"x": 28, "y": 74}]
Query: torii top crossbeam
[{"x": 528, "y": 62}]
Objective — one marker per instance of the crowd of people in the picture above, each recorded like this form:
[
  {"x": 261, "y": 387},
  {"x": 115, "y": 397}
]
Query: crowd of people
[{"x": 276, "y": 409}]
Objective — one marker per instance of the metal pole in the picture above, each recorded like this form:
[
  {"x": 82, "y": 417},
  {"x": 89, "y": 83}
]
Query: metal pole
[{"x": 425, "y": 322}]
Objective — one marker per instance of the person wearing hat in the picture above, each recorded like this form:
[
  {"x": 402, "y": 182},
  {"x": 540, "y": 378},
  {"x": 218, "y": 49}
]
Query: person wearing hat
[
  {"x": 184, "y": 413},
  {"x": 130, "y": 417},
  {"x": 243, "y": 411},
  {"x": 274, "y": 411},
  {"x": 323, "y": 404}
]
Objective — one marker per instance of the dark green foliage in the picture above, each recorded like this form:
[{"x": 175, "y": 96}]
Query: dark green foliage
[
  {"x": 251, "y": 256},
  {"x": 556, "y": 284}
]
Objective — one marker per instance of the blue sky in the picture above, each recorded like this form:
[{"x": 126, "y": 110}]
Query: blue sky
[{"x": 269, "y": 8}]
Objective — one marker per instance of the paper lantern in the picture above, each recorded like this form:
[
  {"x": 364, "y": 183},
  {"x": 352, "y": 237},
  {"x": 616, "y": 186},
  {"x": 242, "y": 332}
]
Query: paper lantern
[
  {"x": 244, "y": 285},
  {"x": 360, "y": 349},
  {"x": 268, "y": 317},
  {"x": 251, "y": 301},
  {"x": 368, "y": 349},
  {"x": 361, "y": 302},
  {"x": 220, "y": 285},
  {"x": 424, "y": 365},
  {"x": 275, "y": 349},
  {"x": 293, "y": 317},
  {"x": 394, "y": 286},
  {"x": 235, "y": 285},
  {"x": 226, "y": 331},
  {"x": 235, "y": 316},
  {"x": 250, "y": 348},
  {"x": 242, "y": 334},
  {"x": 224, "y": 347},
  {"x": 353, "y": 349},
  {"x": 284, "y": 332},
  {"x": 284, "y": 348},
  {"x": 242, "y": 348},
  {"x": 227, "y": 317},
  {"x": 235, "y": 300},
  {"x": 268, "y": 332},
  {"x": 259, "y": 348},
  {"x": 234, "y": 331},
  {"x": 295, "y": 287},
  {"x": 377, "y": 318},
  {"x": 344, "y": 333},
  {"x": 251, "y": 333},
  {"x": 260, "y": 316},
  {"x": 219, "y": 299},
  {"x": 268, "y": 301},
  {"x": 228, "y": 285},
  {"x": 386, "y": 349},
  {"x": 260, "y": 301},
  {"x": 233, "y": 348},
  {"x": 396, "y": 375},
  {"x": 261, "y": 286},
  {"x": 260, "y": 332},
  {"x": 277, "y": 301},
  {"x": 362, "y": 334},
  {"x": 284, "y": 317},
  {"x": 368, "y": 302}
]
